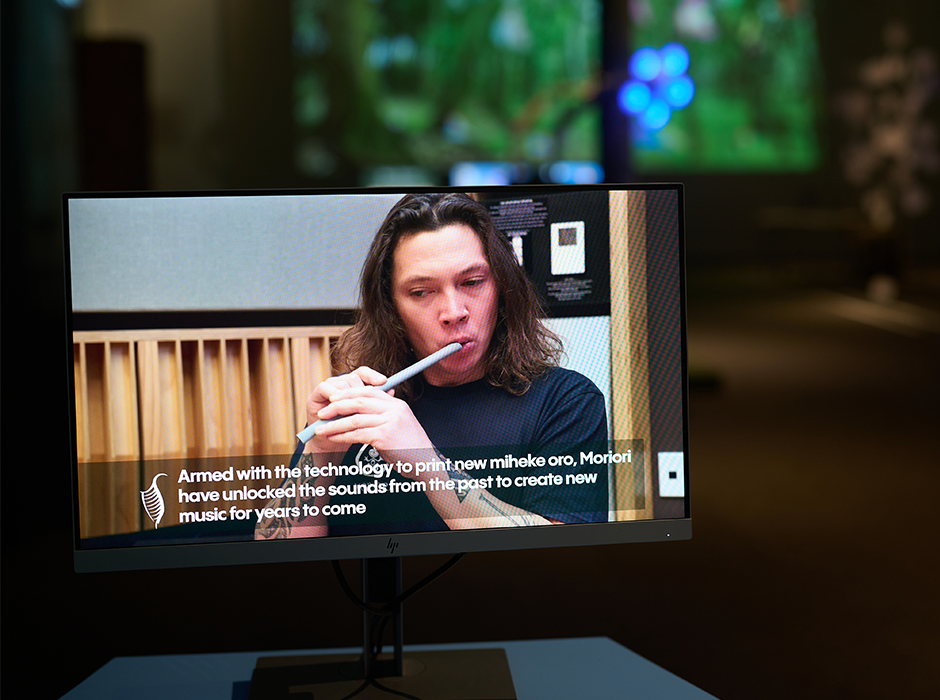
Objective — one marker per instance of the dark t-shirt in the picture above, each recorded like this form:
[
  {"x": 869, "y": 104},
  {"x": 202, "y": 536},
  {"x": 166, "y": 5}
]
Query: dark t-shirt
[{"x": 561, "y": 414}]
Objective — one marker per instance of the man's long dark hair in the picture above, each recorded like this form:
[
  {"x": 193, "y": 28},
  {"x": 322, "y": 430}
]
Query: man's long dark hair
[{"x": 521, "y": 348}]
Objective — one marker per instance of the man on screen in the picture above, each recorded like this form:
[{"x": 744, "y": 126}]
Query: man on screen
[{"x": 438, "y": 271}]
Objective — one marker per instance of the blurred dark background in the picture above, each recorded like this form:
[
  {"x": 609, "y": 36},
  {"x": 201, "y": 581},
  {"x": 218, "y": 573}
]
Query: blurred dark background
[{"x": 813, "y": 311}]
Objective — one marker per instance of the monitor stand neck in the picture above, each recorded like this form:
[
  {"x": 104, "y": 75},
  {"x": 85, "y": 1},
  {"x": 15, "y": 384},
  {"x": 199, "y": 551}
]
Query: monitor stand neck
[
  {"x": 381, "y": 584},
  {"x": 466, "y": 673}
]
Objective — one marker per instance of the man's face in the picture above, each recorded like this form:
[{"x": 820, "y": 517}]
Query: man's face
[{"x": 444, "y": 291}]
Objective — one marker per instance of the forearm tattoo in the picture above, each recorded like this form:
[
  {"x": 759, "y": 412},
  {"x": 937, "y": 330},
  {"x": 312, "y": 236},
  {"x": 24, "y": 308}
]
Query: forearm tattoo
[
  {"x": 491, "y": 501},
  {"x": 275, "y": 528},
  {"x": 515, "y": 519},
  {"x": 461, "y": 490}
]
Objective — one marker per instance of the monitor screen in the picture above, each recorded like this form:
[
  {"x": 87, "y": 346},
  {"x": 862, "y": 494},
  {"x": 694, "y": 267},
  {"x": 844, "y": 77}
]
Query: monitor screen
[{"x": 282, "y": 376}]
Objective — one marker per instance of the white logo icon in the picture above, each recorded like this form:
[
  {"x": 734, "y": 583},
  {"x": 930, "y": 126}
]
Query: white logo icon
[{"x": 153, "y": 501}]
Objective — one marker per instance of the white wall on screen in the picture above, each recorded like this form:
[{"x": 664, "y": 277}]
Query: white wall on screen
[
  {"x": 587, "y": 349},
  {"x": 221, "y": 253}
]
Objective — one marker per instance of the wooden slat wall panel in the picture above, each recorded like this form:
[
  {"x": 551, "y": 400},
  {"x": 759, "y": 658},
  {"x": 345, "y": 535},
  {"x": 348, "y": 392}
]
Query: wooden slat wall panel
[
  {"x": 163, "y": 413},
  {"x": 192, "y": 399},
  {"x": 163, "y": 425},
  {"x": 83, "y": 440},
  {"x": 215, "y": 428},
  {"x": 629, "y": 346},
  {"x": 237, "y": 407},
  {"x": 96, "y": 487},
  {"x": 95, "y": 402},
  {"x": 206, "y": 439},
  {"x": 81, "y": 402},
  {"x": 272, "y": 394},
  {"x": 106, "y": 425},
  {"x": 202, "y": 393},
  {"x": 120, "y": 391},
  {"x": 301, "y": 378},
  {"x": 310, "y": 365}
]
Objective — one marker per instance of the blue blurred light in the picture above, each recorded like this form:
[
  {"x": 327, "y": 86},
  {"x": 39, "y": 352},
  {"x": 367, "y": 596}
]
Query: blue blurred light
[
  {"x": 675, "y": 59},
  {"x": 633, "y": 97},
  {"x": 656, "y": 116},
  {"x": 645, "y": 63},
  {"x": 679, "y": 92},
  {"x": 472, "y": 174},
  {"x": 576, "y": 172},
  {"x": 659, "y": 84}
]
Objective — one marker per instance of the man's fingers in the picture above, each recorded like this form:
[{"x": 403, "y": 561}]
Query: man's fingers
[
  {"x": 344, "y": 403},
  {"x": 346, "y": 428},
  {"x": 369, "y": 376}
]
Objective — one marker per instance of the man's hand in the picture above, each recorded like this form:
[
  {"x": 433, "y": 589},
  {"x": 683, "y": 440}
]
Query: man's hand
[
  {"x": 322, "y": 394},
  {"x": 365, "y": 414}
]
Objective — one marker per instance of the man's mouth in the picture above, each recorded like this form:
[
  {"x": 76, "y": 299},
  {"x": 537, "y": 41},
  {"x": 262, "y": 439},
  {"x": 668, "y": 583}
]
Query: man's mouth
[{"x": 464, "y": 342}]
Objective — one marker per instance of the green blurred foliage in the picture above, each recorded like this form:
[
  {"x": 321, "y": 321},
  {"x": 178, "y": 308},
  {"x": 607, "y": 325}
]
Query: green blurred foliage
[{"x": 432, "y": 82}]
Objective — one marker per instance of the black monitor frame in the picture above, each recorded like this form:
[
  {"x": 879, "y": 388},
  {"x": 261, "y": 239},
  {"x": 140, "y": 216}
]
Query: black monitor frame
[{"x": 105, "y": 557}]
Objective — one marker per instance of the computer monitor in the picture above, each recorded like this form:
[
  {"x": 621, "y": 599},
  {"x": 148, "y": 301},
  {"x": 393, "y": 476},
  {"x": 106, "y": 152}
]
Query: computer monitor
[{"x": 207, "y": 329}]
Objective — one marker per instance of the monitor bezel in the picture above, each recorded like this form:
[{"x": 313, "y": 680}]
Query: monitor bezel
[{"x": 188, "y": 554}]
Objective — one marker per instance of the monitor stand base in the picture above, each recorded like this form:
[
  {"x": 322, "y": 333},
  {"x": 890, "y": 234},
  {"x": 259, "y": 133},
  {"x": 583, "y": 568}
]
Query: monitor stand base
[
  {"x": 444, "y": 675},
  {"x": 481, "y": 674}
]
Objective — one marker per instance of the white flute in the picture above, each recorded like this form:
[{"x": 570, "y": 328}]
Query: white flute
[{"x": 393, "y": 381}]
